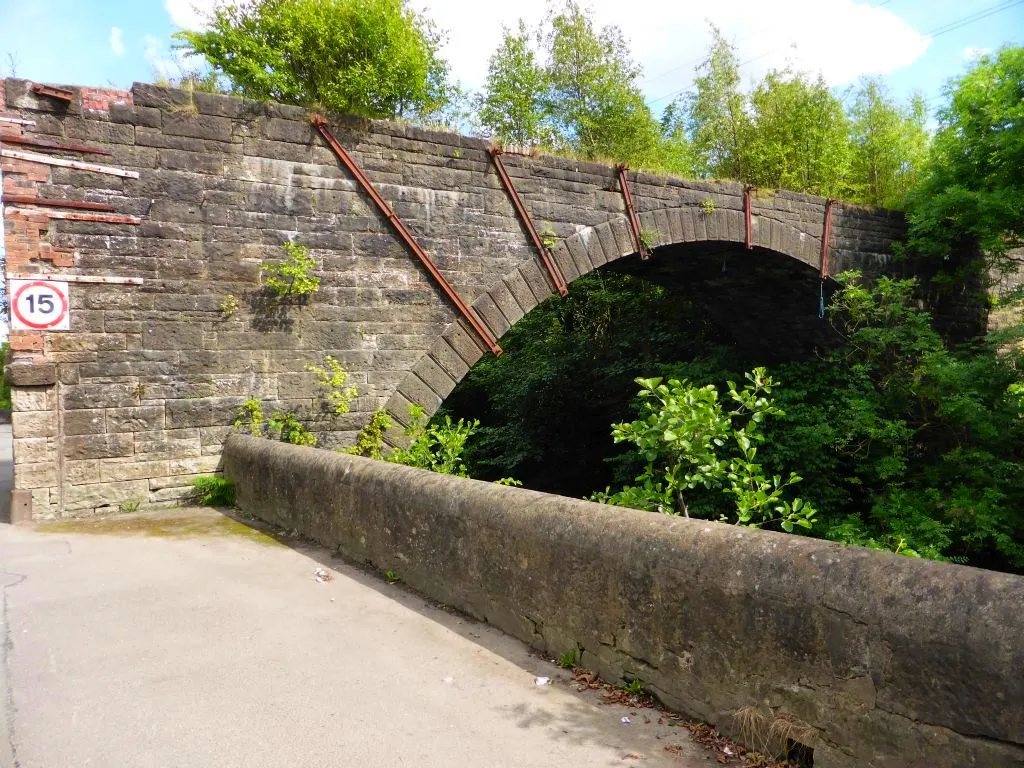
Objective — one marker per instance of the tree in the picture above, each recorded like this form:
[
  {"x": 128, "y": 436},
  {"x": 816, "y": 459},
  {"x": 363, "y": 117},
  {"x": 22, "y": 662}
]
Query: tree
[
  {"x": 972, "y": 193},
  {"x": 684, "y": 436},
  {"x": 512, "y": 104},
  {"x": 798, "y": 137},
  {"x": 593, "y": 102},
  {"x": 889, "y": 144},
  {"x": 718, "y": 121},
  {"x": 373, "y": 58}
]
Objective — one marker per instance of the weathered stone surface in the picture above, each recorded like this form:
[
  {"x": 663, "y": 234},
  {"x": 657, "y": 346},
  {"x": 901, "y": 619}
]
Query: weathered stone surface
[
  {"x": 31, "y": 374},
  {"x": 156, "y": 372},
  {"x": 864, "y": 651}
]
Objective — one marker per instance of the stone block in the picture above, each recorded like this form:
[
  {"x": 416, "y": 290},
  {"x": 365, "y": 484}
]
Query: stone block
[
  {"x": 33, "y": 450},
  {"x": 31, "y": 374},
  {"x": 98, "y": 446},
  {"x": 203, "y": 412},
  {"x": 84, "y": 421},
  {"x": 136, "y": 419},
  {"x": 105, "y": 395},
  {"x": 32, "y": 398},
  {"x": 78, "y": 498},
  {"x": 116, "y": 470},
  {"x": 33, "y": 424},
  {"x": 41, "y": 475},
  {"x": 434, "y": 376},
  {"x": 167, "y": 444}
]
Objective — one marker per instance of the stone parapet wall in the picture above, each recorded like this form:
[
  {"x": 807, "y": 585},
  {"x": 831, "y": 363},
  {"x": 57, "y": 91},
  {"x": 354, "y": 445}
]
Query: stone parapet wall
[
  {"x": 868, "y": 658},
  {"x": 137, "y": 398}
]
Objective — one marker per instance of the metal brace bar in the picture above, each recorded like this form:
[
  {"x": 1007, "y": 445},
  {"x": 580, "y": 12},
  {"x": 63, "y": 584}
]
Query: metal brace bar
[
  {"x": 382, "y": 205},
  {"x": 826, "y": 236},
  {"x": 634, "y": 222},
  {"x": 31, "y": 157},
  {"x": 82, "y": 279},
  {"x": 524, "y": 217},
  {"x": 61, "y": 94},
  {"x": 748, "y": 217},
  {"x": 101, "y": 218},
  {"x": 67, "y": 146},
  {"x": 50, "y": 203},
  {"x": 16, "y": 120}
]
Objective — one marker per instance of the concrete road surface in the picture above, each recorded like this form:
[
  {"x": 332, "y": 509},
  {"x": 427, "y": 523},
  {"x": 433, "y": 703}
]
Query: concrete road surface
[{"x": 188, "y": 639}]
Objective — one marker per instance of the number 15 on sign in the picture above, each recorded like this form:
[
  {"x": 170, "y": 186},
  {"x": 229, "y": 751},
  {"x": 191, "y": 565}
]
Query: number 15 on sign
[{"x": 39, "y": 305}]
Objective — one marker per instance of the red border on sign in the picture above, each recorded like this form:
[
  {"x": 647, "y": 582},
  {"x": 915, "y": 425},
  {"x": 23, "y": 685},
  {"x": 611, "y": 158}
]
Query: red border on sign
[{"x": 29, "y": 323}]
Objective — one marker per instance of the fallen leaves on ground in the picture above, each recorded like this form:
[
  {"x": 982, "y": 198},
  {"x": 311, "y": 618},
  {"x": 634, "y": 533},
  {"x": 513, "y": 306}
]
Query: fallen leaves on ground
[{"x": 726, "y": 751}]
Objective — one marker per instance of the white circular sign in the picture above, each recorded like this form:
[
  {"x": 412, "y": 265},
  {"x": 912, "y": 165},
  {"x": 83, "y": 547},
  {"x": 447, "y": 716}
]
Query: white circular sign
[{"x": 39, "y": 305}]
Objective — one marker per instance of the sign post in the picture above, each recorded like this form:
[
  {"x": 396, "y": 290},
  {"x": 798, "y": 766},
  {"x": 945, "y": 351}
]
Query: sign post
[{"x": 40, "y": 305}]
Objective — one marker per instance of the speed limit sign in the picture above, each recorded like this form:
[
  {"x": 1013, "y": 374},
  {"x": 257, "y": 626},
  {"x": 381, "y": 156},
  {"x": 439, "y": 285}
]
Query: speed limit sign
[{"x": 39, "y": 305}]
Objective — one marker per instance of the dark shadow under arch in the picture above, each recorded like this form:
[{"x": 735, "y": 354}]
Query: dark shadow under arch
[{"x": 457, "y": 349}]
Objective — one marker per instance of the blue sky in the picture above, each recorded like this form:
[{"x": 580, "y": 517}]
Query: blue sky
[{"x": 72, "y": 41}]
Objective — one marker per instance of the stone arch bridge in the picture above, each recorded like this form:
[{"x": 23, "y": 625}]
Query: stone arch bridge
[{"x": 159, "y": 206}]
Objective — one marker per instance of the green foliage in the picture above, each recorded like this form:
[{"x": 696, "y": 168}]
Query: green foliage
[
  {"x": 905, "y": 445},
  {"x": 511, "y": 108},
  {"x": 509, "y": 482},
  {"x": 5, "y": 385},
  {"x": 129, "y": 506},
  {"x": 682, "y": 437},
  {"x": 595, "y": 105},
  {"x": 648, "y": 237},
  {"x": 392, "y": 577},
  {"x": 250, "y": 417},
  {"x": 548, "y": 236},
  {"x": 372, "y": 58},
  {"x": 707, "y": 206},
  {"x": 718, "y": 122},
  {"x": 569, "y": 659},
  {"x": 332, "y": 378},
  {"x": 972, "y": 191},
  {"x": 213, "y": 491},
  {"x": 798, "y": 136},
  {"x": 577, "y": 92},
  {"x": 370, "y": 440},
  {"x": 293, "y": 277},
  {"x": 229, "y": 306},
  {"x": 282, "y": 425},
  {"x": 634, "y": 687},
  {"x": 889, "y": 145},
  {"x": 567, "y": 373},
  {"x": 289, "y": 429},
  {"x": 435, "y": 446}
]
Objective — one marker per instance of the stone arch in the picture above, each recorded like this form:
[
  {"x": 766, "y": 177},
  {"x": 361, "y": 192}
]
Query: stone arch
[{"x": 457, "y": 349}]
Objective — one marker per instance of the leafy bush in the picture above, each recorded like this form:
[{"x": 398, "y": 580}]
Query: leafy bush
[
  {"x": 685, "y": 438},
  {"x": 213, "y": 491},
  {"x": 293, "y": 277},
  {"x": 437, "y": 447}
]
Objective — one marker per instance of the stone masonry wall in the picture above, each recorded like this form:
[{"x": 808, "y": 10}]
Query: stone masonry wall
[
  {"x": 138, "y": 397},
  {"x": 868, "y": 658}
]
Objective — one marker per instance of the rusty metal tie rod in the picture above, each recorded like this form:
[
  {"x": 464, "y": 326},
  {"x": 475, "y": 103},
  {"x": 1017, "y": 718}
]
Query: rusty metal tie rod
[
  {"x": 826, "y": 235},
  {"x": 382, "y": 205},
  {"x": 747, "y": 218},
  {"x": 545, "y": 255},
  {"x": 634, "y": 222}
]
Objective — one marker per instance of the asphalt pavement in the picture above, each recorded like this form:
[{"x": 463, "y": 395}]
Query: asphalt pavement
[{"x": 190, "y": 639}]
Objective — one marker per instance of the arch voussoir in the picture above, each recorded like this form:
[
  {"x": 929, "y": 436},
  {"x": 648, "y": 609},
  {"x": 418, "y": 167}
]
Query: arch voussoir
[{"x": 458, "y": 349}]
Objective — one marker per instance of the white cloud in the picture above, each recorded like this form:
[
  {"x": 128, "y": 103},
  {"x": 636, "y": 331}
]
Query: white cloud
[
  {"x": 189, "y": 14},
  {"x": 117, "y": 41},
  {"x": 166, "y": 63},
  {"x": 971, "y": 53},
  {"x": 841, "y": 39}
]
